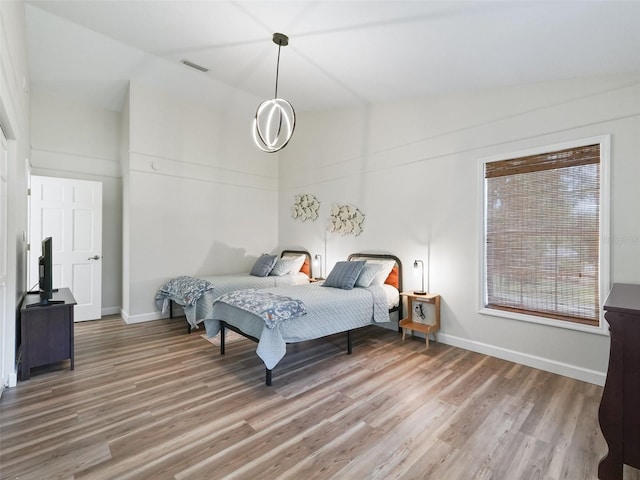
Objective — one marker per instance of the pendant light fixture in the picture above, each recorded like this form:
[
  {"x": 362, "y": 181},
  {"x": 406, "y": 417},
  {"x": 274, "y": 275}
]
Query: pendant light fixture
[{"x": 275, "y": 119}]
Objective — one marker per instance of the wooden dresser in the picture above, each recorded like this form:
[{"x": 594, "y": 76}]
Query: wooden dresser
[
  {"x": 619, "y": 412},
  {"x": 45, "y": 331}
]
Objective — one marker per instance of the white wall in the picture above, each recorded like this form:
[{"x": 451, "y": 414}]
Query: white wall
[
  {"x": 201, "y": 199},
  {"x": 412, "y": 169},
  {"x": 184, "y": 190},
  {"x": 14, "y": 118},
  {"x": 73, "y": 140}
]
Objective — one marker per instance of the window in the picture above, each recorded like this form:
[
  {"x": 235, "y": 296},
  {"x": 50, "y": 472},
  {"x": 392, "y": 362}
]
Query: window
[{"x": 543, "y": 221}]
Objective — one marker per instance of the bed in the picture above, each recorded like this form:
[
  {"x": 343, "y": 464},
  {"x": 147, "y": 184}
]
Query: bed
[
  {"x": 197, "y": 295},
  {"x": 328, "y": 310}
]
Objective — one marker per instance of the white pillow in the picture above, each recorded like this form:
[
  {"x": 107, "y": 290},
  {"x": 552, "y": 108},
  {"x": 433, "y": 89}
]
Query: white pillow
[
  {"x": 299, "y": 261},
  {"x": 383, "y": 273},
  {"x": 288, "y": 264},
  {"x": 368, "y": 273}
]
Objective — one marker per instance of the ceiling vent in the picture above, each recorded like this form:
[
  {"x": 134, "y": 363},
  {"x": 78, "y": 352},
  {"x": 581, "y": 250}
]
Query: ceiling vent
[{"x": 194, "y": 65}]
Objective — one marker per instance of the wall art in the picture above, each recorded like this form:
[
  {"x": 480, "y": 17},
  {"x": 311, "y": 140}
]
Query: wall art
[
  {"x": 345, "y": 220},
  {"x": 305, "y": 207}
]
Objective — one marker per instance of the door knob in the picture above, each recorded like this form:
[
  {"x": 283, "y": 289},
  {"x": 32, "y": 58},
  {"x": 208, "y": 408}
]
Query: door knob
[{"x": 95, "y": 257}]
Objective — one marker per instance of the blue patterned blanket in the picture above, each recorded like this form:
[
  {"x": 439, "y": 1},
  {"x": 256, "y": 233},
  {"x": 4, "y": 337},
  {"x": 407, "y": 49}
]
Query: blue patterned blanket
[
  {"x": 185, "y": 291},
  {"x": 272, "y": 308}
]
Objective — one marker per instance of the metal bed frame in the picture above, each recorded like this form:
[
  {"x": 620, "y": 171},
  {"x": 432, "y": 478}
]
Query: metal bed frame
[{"x": 269, "y": 372}]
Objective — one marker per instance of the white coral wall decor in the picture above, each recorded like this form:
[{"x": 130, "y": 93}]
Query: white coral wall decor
[
  {"x": 305, "y": 207},
  {"x": 345, "y": 219}
]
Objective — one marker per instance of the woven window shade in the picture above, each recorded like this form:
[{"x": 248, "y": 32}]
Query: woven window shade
[{"x": 542, "y": 234}]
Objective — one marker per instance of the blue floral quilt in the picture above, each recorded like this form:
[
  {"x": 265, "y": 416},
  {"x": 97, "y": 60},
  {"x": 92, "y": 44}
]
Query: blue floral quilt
[
  {"x": 185, "y": 291},
  {"x": 272, "y": 308}
]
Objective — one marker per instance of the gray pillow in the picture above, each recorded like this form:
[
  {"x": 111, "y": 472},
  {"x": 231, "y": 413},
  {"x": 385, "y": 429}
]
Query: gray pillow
[
  {"x": 368, "y": 273},
  {"x": 263, "y": 265},
  {"x": 344, "y": 275}
]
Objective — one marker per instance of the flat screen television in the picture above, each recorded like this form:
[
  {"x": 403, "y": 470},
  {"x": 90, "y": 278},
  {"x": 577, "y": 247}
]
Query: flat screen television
[
  {"x": 45, "y": 277},
  {"x": 45, "y": 267}
]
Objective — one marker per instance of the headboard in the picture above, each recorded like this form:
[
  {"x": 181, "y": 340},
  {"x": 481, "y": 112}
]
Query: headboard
[
  {"x": 306, "y": 266},
  {"x": 394, "y": 278}
]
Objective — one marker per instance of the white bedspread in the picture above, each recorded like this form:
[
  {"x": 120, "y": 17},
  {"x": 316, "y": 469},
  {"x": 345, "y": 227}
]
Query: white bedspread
[{"x": 329, "y": 311}]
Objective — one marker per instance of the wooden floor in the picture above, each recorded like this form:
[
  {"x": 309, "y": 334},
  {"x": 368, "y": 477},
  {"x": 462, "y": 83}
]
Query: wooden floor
[{"x": 149, "y": 401}]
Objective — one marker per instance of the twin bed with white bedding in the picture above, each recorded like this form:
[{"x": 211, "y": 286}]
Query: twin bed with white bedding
[
  {"x": 321, "y": 309},
  {"x": 197, "y": 295}
]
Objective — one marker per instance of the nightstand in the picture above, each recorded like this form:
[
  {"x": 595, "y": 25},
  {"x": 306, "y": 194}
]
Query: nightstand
[{"x": 419, "y": 319}]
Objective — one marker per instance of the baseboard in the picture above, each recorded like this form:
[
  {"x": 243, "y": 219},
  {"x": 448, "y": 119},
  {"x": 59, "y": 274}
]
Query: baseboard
[
  {"x": 10, "y": 382},
  {"x": 553, "y": 366},
  {"x": 144, "y": 317},
  {"x": 110, "y": 311}
]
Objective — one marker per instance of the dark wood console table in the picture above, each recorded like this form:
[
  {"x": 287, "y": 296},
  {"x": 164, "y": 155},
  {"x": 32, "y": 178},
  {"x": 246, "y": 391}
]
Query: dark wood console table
[
  {"x": 46, "y": 331},
  {"x": 619, "y": 412}
]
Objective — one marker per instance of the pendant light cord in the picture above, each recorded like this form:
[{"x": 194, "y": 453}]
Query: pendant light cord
[{"x": 278, "y": 69}]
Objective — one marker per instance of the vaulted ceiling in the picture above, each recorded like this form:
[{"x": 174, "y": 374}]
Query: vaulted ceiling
[{"x": 341, "y": 53}]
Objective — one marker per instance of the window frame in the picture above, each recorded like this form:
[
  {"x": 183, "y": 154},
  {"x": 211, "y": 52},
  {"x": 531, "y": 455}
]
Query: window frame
[{"x": 604, "y": 142}]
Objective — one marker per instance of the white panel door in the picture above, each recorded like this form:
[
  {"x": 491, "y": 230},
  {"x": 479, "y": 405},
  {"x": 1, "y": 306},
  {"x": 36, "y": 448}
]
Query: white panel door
[{"x": 70, "y": 212}]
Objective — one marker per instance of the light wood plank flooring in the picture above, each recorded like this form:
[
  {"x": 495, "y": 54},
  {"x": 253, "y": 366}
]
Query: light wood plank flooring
[{"x": 149, "y": 401}]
